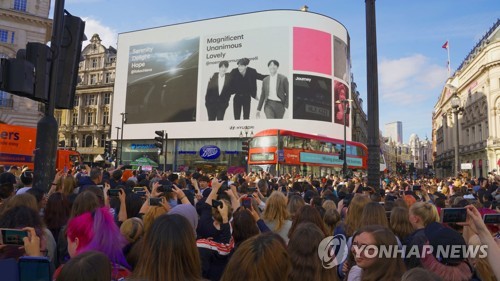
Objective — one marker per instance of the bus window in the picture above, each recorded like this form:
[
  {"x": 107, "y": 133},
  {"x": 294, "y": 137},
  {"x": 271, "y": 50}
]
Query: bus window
[{"x": 266, "y": 141}]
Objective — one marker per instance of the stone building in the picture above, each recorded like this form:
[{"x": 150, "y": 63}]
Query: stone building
[
  {"x": 87, "y": 126},
  {"x": 22, "y": 21},
  {"x": 476, "y": 86}
]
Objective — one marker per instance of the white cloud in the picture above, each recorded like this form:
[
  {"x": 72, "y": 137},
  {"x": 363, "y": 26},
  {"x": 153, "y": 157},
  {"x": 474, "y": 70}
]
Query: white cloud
[
  {"x": 108, "y": 35},
  {"x": 410, "y": 80}
]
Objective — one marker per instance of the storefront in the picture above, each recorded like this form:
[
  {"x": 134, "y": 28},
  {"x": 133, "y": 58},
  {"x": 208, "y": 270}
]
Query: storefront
[{"x": 210, "y": 155}]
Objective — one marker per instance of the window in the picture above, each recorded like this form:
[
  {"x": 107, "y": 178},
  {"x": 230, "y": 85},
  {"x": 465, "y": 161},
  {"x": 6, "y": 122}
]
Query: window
[
  {"x": 90, "y": 117},
  {"x": 103, "y": 140},
  {"x": 267, "y": 141},
  {"x": 76, "y": 101},
  {"x": 58, "y": 118},
  {"x": 107, "y": 78},
  {"x": 75, "y": 119},
  {"x": 107, "y": 98},
  {"x": 480, "y": 132},
  {"x": 88, "y": 141},
  {"x": 73, "y": 141},
  {"x": 105, "y": 118},
  {"x": 94, "y": 63},
  {"x": 4, "y": 36},
  {"x": 20, "y": 5},
  {"x": 93, "y": 79},
  {"x": 90, "y": 100},
  {"x": 12, "y": 35}
]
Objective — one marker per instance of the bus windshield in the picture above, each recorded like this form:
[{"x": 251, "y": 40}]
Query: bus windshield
[{"x": 265, "y": 141}]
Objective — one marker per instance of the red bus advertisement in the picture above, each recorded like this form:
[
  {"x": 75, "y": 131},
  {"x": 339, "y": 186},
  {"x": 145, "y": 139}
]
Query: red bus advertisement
[{"x": 281, "y": 151}]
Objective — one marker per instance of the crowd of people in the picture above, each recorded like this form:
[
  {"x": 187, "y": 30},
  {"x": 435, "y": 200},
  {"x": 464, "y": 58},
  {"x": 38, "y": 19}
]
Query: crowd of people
[{"x": 124, "y": 224}]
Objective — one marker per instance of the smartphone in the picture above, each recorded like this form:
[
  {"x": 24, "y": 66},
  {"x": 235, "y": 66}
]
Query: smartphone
[
  {"x": 114, "y": 192},
  {"x": 138, "y": 189},
  {"x": 141, "y": 193},
  {"x": 452, "y": 215},
  {"x": 417, "y": 188},
  {"x": 216, "y": 204},
  {"x": 246, "y": 202},
  {"x": 155, "y": 201},
  {"x": 13, "y": 236},
  {"x": 491, "y": 218},
  {"x": 65, "y": 169},
  {"x": 34, "y": 268}
]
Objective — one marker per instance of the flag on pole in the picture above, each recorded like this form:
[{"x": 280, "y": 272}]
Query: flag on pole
[{"x": 447, "y": 47}]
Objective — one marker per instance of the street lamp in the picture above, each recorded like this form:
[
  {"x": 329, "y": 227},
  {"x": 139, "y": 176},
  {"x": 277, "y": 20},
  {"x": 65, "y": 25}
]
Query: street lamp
[
  {"x": 117, "y": 135},
  {"x": 124, "y": 119},
  {"x": 345, "y": 108},
  {"x": 456, "y": 109}
]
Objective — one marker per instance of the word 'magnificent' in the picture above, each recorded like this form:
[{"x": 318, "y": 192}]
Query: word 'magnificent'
[{"x": 222, "y": 43}]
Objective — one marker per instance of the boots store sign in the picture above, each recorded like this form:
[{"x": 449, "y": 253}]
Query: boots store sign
[{"x": 210, "y": 152}]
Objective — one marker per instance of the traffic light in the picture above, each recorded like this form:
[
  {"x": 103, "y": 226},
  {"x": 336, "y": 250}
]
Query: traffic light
[
  {"x": 342, "y": 154},
  {"x": 40, "y": 56},
  {"x": 159, "y": 140},
  {"x": 68, "y": 61},
  {"x": 245, "y": 146},
  {"x": 17, "y": 76},
  {"x": 107, "y": 149}
]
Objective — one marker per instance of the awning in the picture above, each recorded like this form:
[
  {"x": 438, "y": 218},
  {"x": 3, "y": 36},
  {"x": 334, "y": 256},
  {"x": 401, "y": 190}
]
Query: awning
[{"x": 98, "y": 158}]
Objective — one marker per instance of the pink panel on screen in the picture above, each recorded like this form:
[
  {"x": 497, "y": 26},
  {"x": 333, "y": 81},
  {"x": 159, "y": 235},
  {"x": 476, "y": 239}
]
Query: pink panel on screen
[{"x": 312, "y": 50}]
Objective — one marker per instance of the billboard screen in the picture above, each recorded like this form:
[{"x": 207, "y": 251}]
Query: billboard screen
[{"x": 213, "y": 78}]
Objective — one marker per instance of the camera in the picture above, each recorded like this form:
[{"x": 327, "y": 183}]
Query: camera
[{"x": 251, "y": 190}]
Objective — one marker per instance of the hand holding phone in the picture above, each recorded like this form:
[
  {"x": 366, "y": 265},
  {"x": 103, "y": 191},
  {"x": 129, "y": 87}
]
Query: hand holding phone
[
  {"x": 11, "y": 236},
  {"x": 155, "y": 201},
  {"x": 453, "y": 215},
  {"x": 491, "y": 218},
  {"x": 246, "y": 202}
]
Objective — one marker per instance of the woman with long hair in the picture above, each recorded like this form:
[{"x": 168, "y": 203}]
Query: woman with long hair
[
  {"x": 97, "y": 231},
  {"x": 295, "y": 202},
  {"x": 376, "y": 267},
  {"x": 354, "y": 213},
  {"x": 373, "y": 214},
  {"x": 304, "y": 256},
  {"x": 56, "y": 213},
  {"x": 331, "y": 220},
  {"x": 93, "y": 264},
  {"x": 276, "y": 215},
  {"x": 308, "y": 214},
  {"x": 262, "y": 257},
  {"x": 400, "y": 223},
  {"x": 169, "y": 251}
]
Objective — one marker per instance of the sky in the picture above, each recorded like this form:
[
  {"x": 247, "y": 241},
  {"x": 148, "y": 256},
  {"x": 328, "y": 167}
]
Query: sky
[{"x": 412, "y": 65}]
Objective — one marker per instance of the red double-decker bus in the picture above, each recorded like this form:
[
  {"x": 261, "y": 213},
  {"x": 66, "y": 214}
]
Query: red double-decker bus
[{"x": 281, "y": 151}]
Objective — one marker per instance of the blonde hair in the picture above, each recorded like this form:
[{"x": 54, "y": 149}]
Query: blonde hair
[
  {"x": 132, "y": 229},
  {"x": 427, "y": 212},
  {"x": 329, "y": 204},
  {"x": 354, "y": 212},
  {"x": 68, "y": 185},
  {"x": 153, "y": 213},
  {"x": 276, "y": 210}
]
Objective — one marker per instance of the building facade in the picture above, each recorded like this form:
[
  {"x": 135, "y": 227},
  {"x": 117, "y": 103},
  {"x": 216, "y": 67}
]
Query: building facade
[
  {"x": 477, "y": 85},
  {"x": 394, "y": 131},
  {"x": 87, "y": 126},
  {"x": 22, "y": 21},
  {"x": 359, "y": 120}
]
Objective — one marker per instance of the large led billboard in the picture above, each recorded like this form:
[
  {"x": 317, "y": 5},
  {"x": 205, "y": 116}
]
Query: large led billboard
[{"x": 212, "y": 78}]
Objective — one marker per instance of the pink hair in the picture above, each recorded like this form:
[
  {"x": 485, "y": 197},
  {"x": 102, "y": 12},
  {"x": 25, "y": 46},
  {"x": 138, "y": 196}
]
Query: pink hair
[{"x": 98, "y": 231}]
